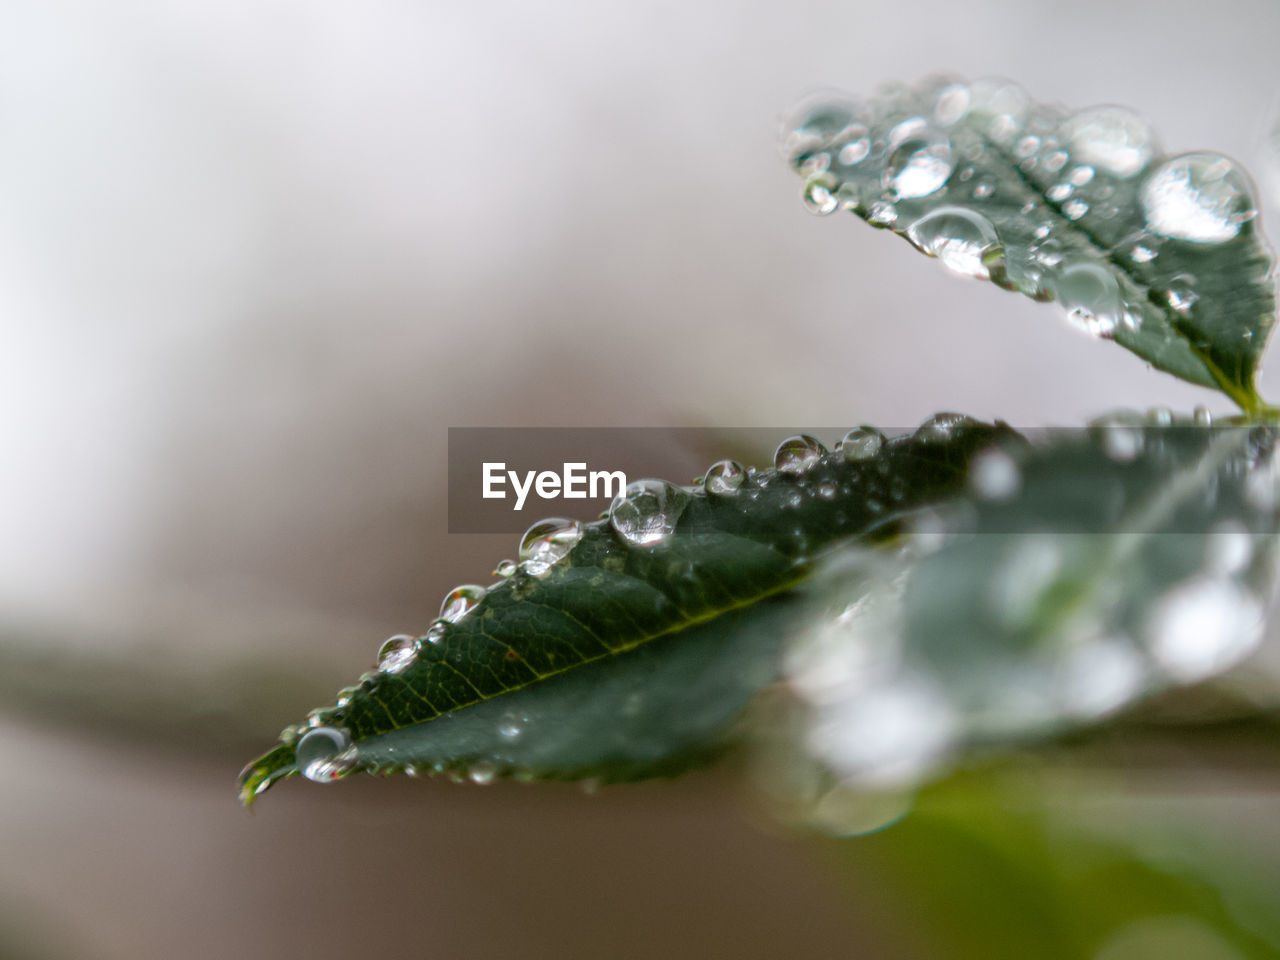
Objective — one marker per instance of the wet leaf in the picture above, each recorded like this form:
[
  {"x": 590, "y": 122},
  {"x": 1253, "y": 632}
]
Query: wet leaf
[
  {"x": 1164, "y": 254},
  {"x": 623, "y": 648},
  {"x": 1081, "y": 573}
]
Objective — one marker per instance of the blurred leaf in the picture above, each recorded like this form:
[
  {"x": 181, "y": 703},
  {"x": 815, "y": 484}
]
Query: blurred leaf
[
  {"x": 633, "y": 652},
  {"x": 1162, "y": 254},
  {"x": 1083, "y": 571}
]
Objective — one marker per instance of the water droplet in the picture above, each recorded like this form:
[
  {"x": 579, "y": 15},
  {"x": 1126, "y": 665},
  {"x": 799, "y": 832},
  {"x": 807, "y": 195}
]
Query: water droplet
[
  {"x": 1180, "y": 294},
  {"x": 819, "y": 198},
  {"x": 1058, "y": 192},
  {"x": 919, "y": 159},
  {"x": 1202, "y": 417},
  {"x": 952, "y": 104},
  {"x": 815, "y": 126},
  {"x": 397, "y": 653},
  {"x": 505, "y": 568},
  {"x": 797, "y": 454},
  {"x": 482, "y": 772},
  {"x": 1142, "y": 254},
  {"x": 861, "y": 443},
  {"x": 941, "y": 426},
  {"x": 1204, "y": 626},
  {"x": 1004, "y": 105},
  {"x": 1113, "y": 139},
  {"x": 882, "y": 214},
  {"x": 510, "y": 726},
  {"x": 460, "y": 601},
  {"x": 435, "y": 633},
  {"x": 964, "y": 241},
  {"x": 1091, "y": 297},
  {"x": 983, "y": 190},
  {"x": 1121, "y": 443},
  {"x": 546, "y": 543},
  {"x": 1043, "y": 230},
  {"x": 325, "y": 754},
  {"x": 1100, "y": 677},
  {"x": 646, "y": 512},
  {"x": 1056, "y": 161},
  {"x": 1027, "y": 147},
  {"x": 1048, "y": 252},
  {"x": 856, "y": 150},
  {"x": 1081, "y": 175},
  {"x": 1199, "y": 197},
  {"x": 725, "y": 478},
  {"x": 345, "y": 695},
  {"x": 994, "y": 475},
  {"x": 1160, "y": 416},
  {"x": 1229, "y": 550},
  {"x": 887, "y": 735},
  {"x": 1075, "y": 209}
]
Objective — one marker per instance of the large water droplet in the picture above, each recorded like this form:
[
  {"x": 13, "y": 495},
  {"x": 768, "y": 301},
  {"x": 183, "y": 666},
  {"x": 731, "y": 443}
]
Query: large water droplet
[
  {"x": 1204, "y": 626},
  {"x": 861, "y": 443},
  {"x": 919, "y": 159},
  {"x": 964, "y": 241},
  {"x": 646, "y": 512},
  {"x": 724, "y": 478},
  {"x": 460, "y": 601},
  {"x": 546, "y": 543},
  {"x": 1200, "y": 197},
  {"x": 1113, "y": 139},
  {"x": 325, "y": 754},
  {"x": 1091, "y": 297},
  {"x": 797, "y": 454},
  {"x": 397, "y": 653}
]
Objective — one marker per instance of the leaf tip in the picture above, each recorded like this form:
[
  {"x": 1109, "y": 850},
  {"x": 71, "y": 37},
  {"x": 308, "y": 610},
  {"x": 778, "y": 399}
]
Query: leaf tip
[{"x": 259, "y": 775}]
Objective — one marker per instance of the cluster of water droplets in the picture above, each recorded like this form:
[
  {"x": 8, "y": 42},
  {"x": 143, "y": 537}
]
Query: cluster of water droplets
[{"x": 990, "y": 183}]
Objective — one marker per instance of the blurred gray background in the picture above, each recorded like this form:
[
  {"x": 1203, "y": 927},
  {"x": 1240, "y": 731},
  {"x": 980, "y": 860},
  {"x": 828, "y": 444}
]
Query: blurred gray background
[{"x": 256, "y": 257}]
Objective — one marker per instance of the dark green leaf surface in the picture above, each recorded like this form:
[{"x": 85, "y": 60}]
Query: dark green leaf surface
[
  {"x": 1165, "y": 255},
  {"x": 623, "y": 659}
]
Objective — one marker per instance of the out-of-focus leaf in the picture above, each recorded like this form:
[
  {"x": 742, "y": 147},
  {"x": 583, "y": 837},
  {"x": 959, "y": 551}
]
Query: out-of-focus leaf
[
  {"x": 622, "y": 647},
  {"x": 1082, "y": 572},
  {"x": 1163, "y": 254}
]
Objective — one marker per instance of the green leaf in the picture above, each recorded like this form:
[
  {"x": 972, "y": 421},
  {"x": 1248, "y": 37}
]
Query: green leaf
[
  {"x": 614, "y": 657},
  {"x": 1083, "y": 572},
  {"x": 1163, "y": 254}
]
